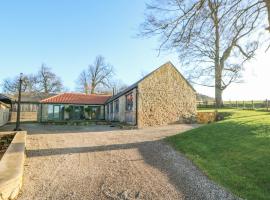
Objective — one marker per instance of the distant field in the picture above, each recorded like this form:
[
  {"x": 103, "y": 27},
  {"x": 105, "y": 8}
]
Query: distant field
[{"x": 234, "y": 152}]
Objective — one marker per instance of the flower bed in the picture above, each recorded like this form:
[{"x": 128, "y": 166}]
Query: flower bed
[{"x": 5, "y": 140}]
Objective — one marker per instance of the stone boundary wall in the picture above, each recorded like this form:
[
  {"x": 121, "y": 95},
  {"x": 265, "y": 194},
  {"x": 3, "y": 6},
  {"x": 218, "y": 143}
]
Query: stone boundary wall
[
  {"x": 24, "y": 116},
  {"x": 11, "y": 167},
  {"x": 206, "y": 117}
]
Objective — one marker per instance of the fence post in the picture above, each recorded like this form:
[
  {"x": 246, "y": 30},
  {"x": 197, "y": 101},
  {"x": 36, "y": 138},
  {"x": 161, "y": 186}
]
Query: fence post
[
  {"x": 236, "y": 104},
  {"x": 252, "y": 105},
  {"x": 267, "y": 104}
]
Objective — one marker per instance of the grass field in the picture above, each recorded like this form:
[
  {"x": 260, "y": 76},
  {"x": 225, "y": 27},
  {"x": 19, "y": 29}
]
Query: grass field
[{"x": 234, "y": 152}]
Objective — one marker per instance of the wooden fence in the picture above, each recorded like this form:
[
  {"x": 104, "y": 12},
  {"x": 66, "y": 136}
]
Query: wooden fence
[{"x": 249, "y": 105}]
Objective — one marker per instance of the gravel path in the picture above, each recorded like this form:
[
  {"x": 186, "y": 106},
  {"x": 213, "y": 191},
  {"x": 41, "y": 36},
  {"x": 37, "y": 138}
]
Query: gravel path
[{"x": 100, "y": 162}]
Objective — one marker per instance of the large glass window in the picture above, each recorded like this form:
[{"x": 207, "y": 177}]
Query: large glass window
[
  {"x": 50, "y": 111},
  {"x": 116, "y": 103},
  {"x": 54, "y": 112},
  {"x": 129, "y": 102}
]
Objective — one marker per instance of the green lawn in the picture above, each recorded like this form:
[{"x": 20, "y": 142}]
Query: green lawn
[{"x": 234, "y": 152}]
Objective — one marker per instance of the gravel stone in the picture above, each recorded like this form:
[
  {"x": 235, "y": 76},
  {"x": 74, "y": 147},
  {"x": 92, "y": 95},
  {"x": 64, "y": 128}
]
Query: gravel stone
[{"x": 102, "y": 162}]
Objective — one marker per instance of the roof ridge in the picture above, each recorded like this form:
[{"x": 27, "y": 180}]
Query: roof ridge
[
  {"x": 80, "y": 93},
  {"x": 134, "y": 85},
  {"x": 51, "y": 97}
]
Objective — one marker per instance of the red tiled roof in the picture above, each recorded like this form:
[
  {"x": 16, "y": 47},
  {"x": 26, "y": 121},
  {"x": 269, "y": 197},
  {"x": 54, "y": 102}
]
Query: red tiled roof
[{"x": 77, "y": 98}]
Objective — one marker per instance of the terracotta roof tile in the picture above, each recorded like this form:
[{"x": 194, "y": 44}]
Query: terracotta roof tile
[{"x": 77, "y": 98}]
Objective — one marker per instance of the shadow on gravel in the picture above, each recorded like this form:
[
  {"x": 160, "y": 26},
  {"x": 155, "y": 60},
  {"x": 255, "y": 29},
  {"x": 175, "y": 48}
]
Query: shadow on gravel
[
  {"x": 35, "y": 128},
  {"x": 74, "y": 150}
]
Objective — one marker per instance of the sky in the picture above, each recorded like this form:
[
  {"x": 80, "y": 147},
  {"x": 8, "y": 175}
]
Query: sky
[{"x": 67, "y": 35}]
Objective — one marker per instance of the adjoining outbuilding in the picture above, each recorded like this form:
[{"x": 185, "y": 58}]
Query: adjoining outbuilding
[
  {"x": 73, "y": 106},
  {"x": 30, "y": 102},
  {"x": 162, "y": 97}
]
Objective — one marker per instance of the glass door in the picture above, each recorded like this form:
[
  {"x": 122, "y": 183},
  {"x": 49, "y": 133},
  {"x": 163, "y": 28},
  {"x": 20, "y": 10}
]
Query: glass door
[{"x": 78, "y": 113}]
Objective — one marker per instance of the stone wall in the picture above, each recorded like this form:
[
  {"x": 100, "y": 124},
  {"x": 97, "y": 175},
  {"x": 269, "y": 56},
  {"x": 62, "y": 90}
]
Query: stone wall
[
  {"x": 165, "y": 97},
  {"x": 206, "y": 117},
  {"x": 24, "y": 116}
]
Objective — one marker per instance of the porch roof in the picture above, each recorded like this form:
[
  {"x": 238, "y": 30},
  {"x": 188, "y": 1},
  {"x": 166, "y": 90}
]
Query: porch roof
[{"x": 77, "y": 98}]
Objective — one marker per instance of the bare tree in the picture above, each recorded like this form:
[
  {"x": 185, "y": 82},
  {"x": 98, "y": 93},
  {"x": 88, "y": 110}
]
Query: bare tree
[
  {"x": 99, "y": 76},
  {"x": 83, "y": 82},
  {"x": 213, "y": 38},
  {"x": 11, "y": 85},
  {"x": 47, "y": 81},
  {"x": 118, "y": 86}
]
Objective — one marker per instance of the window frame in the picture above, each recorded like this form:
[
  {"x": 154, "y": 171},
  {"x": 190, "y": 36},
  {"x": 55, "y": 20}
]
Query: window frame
[{"x": 129, "y": 102}]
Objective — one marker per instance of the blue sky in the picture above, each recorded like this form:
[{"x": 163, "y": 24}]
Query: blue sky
[{"x": 68, "y": 35}]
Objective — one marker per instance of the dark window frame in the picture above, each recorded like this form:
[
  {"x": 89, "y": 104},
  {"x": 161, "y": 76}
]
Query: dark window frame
[{"x": 129, "y": 102}]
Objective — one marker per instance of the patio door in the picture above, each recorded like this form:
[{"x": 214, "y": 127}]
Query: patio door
[
  {"x": 95, "y": 113},
  {"x": 78, "y": 113}
]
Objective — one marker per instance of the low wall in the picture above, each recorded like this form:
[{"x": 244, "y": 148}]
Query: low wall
[
  {"x": 11, "y": 167},
  {"x": 24, "y": 116},
  {"x": 4, "y": 115},
  {"x": 206, "y": 117}
]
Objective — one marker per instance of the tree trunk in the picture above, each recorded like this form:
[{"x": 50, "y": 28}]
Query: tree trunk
[
  {"x": 86, "y": 88},
  {"x": 218, "y": 67},
  {"x": 93, "y": 87},
  {"x": 267, "y": 2},
  {"x": 218, "y": 97}
]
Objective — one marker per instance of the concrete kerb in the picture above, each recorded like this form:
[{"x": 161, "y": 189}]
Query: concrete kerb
[{"x": 11, "y": 167}]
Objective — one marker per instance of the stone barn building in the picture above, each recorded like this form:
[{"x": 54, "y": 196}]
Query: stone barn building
[{"x": 162, "y": 97}]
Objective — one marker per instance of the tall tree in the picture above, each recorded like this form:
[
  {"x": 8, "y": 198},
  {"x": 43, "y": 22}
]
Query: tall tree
[
  {"x": 47, "y": 81},
  {"x": 11, "y": 85},
  {"x": 98, "y": 75},
  {"x": 213, "y": 38},
  {"x": 43, "y": 81},
  {"x": 83, "y": 82},
  {"x": 117, "y": 86}
]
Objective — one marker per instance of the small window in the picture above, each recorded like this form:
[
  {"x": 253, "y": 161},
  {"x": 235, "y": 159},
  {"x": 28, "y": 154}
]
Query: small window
[
  {"x": 129, "y": 102},
  {"x": 116, "y": 103}
]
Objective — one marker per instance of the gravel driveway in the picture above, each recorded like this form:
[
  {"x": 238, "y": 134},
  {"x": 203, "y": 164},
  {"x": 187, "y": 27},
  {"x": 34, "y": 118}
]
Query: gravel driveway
[{"x": 101, "y": 162}]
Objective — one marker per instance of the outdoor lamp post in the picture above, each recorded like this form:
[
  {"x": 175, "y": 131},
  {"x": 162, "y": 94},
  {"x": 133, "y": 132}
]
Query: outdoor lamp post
[{"x": 17, "y": 128}]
